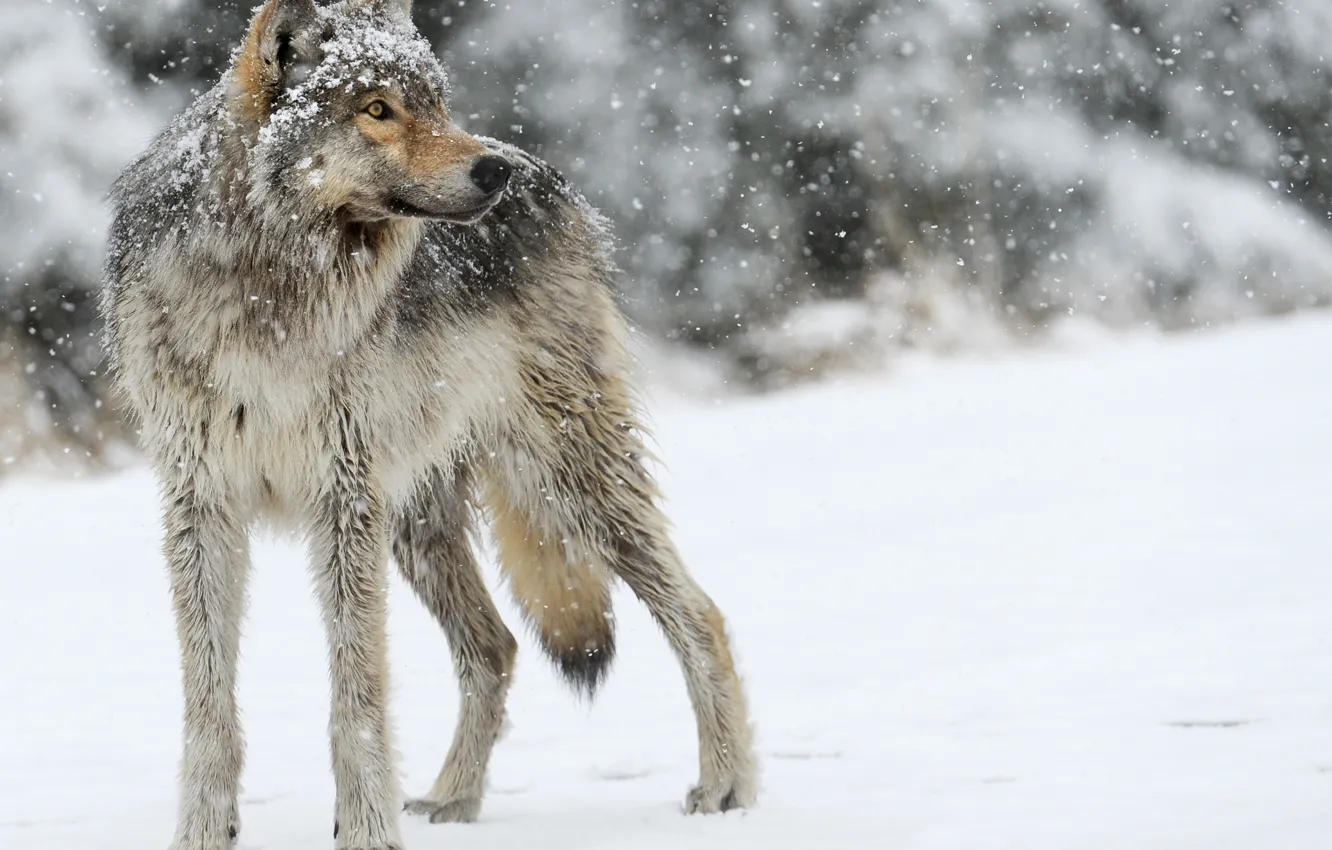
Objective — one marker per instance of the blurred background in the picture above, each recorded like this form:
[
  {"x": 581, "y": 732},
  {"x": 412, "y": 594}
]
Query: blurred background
[{"x": 799, "y": 187}]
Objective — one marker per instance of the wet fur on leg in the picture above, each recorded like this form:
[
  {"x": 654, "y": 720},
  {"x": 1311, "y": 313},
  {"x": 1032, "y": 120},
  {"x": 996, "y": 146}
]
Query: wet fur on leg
[{"x": 435, "y": 557}]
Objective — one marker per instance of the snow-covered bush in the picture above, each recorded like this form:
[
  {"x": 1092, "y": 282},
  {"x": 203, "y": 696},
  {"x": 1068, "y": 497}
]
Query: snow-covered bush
[
  {"x": 1132, "y": 160},
  {"x": 1150, "y": 160},
  {"x": 68, "y": 123}
]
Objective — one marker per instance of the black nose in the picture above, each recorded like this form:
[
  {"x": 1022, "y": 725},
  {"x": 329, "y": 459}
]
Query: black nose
[{"x": 491, "y": 173}]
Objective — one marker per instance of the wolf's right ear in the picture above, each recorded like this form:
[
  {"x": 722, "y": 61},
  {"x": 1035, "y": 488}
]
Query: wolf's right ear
[{"x": 281, "y": 48}]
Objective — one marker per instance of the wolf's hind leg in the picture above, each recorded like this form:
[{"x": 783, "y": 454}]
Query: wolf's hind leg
[
  {"x": 728, "y": 773},
  {"x": 642, "y": 555},
  {"x": 573, "y": 467},
  {"x": 435, "y": 557}
]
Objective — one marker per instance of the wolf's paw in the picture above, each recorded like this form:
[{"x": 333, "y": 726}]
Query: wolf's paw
[
  {"x": 462, "y": 810},
  {"x": 337, "y": 828},
  {"x": 214, "y": 842},
  {"x": 735, "y": 792}
]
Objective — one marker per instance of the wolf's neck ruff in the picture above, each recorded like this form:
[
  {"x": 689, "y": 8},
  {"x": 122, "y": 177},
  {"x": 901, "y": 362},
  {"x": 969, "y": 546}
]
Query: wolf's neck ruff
[{"x": 258, "y": 212}]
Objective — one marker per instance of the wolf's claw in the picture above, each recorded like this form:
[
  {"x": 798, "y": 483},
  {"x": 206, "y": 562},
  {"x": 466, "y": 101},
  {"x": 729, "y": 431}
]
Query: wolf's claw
[{"x": 714, "y": 798}]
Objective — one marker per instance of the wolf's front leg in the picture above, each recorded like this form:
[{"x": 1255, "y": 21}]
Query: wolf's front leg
[
  {"x": 207, "y": 553},
  {"x": 351, "y": 561}
]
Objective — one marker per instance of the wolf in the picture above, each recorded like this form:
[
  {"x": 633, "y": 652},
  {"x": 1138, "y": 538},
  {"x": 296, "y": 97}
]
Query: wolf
[{"x": 332, "y": 311}]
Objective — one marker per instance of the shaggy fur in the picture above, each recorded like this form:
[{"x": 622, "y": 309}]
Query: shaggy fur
[{"x": 322, "y": 318}]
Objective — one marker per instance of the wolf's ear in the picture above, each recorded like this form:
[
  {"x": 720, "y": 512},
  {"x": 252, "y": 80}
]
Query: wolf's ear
[{"x": 281, "y": 48}]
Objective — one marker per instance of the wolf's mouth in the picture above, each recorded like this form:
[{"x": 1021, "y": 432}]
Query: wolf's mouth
[
  {"x": 469, "y": 216},
  {"x": 398, "y": 206}
]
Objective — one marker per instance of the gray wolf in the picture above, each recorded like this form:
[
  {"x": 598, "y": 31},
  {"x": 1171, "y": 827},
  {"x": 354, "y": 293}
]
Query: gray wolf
[{"x": 331, "y": 310}]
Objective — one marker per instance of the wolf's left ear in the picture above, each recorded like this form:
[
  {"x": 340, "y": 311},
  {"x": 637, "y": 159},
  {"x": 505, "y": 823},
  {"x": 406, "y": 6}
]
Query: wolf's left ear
[{"x": 281, "y": 48}]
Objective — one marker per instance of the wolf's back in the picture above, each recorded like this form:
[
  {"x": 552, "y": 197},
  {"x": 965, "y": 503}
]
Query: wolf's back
[{"x": 542, "y": 229}]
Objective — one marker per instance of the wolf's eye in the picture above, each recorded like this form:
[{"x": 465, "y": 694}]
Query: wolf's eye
[{"x": 377, "y": 109}]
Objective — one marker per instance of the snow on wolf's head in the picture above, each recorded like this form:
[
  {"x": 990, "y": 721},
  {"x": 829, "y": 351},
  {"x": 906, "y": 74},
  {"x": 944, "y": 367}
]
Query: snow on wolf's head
[{"x": 346, "y": 108}]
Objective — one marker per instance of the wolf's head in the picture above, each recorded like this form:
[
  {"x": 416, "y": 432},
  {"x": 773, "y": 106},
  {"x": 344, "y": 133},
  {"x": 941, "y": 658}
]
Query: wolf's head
[{"x": 344, "y": 108}]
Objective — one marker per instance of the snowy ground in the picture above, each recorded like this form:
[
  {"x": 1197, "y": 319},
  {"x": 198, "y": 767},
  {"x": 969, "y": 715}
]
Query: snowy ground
[{"x": 1075, "y": 599}]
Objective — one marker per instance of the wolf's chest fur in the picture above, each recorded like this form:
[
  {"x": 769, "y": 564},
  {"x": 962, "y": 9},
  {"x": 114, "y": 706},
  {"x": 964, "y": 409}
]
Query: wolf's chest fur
[{"x": 269, "y": 381}]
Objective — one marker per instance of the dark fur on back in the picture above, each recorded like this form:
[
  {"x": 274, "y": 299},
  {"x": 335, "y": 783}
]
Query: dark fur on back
[{"x": 539, "y": 219}]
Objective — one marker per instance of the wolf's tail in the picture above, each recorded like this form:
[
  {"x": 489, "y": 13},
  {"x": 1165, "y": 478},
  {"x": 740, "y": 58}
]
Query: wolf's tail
[{"x": 566, "y": 600}]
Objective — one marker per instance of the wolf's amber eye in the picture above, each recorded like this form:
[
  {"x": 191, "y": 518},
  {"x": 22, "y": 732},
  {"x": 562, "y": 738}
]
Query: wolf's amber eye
[{"x": 377, "y": 109}]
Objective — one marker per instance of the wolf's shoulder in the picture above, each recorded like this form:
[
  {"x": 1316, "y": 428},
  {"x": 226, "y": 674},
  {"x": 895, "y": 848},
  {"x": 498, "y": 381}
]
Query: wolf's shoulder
[
  {"x": 159, "y": 189},
  {"x": 182, "y": 154},
  {"x": 157, "y": 197}
]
